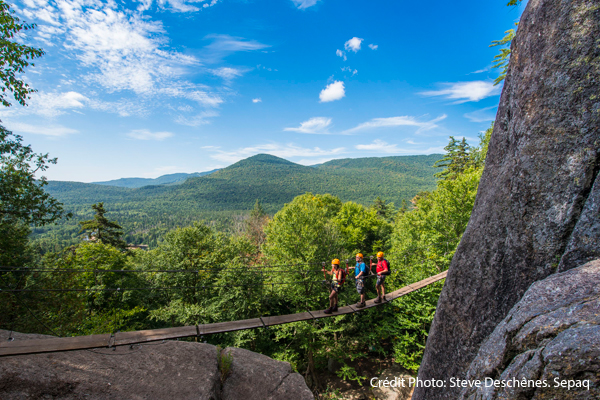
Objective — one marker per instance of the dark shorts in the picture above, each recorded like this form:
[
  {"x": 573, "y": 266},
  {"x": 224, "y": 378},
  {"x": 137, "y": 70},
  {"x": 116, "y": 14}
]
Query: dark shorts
[
  {"x": 336, "y": 287},
  {"x": 360, "y": 286},
  {"x": 380, "y": 280}
]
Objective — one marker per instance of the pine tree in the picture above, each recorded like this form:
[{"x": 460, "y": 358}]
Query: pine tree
[{"x": 103, "y": 230}]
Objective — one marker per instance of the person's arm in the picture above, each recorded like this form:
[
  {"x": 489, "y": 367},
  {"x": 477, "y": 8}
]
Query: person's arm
[{"x": 386, "y": 265}]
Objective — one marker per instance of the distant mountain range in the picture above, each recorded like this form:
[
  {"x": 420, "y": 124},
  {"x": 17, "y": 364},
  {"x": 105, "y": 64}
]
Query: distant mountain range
[
  {"x": 148, "y": 211},
  {"x": 170, "y": 179}
]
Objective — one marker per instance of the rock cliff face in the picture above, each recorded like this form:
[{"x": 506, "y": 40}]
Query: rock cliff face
[
  {"x": 553, "y": 332},
  {"x": 537, "y": 208},
  {"x": 169, "y": 370}
]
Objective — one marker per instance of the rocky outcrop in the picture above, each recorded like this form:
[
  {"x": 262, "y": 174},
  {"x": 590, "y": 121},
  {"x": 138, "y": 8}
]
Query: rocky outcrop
[
  {"x": 256, "y": 376},
  {"x": 551, "y": 336},
  {"x": 163, "y": 370},
  {"x": 537, "y": 207}
]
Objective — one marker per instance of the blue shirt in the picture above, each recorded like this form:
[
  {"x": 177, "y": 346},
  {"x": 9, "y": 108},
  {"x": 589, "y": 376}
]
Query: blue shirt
[{"x": 361, "y": 267}]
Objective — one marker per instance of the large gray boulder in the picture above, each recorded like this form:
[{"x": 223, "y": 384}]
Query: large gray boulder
[
  {"x": 551, "y": 336},
  {"x": 537, "y": 206},
  {"x": 255, "y": 376},
  {"x": 154, "y": 371}
]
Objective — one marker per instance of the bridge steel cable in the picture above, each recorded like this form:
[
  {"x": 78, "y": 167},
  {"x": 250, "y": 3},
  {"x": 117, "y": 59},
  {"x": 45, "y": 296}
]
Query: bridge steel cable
[{"x": 153, "y": 335}]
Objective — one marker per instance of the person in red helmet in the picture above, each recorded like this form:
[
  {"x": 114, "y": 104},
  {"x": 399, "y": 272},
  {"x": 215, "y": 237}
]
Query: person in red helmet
[
  {"x": 337, "y": 279},
  {"x": 383, "y": 269}
]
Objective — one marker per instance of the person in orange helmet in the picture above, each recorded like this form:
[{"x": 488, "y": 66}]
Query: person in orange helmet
[
  {"x": 337, "y": 279},
  {"x": 383, "y": 269}
]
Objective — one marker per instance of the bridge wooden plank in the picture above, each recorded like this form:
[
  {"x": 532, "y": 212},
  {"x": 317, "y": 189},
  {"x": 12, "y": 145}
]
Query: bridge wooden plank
[
  {"x": 152, "y": 335},
  {"x": 221, "y": 327},
  {"x": 286, "y": 319},
  {"x": 33, "y": 346}
]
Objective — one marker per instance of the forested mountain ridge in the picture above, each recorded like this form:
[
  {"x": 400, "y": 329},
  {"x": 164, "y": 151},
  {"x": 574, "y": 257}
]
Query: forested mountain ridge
[
  {"x": 169, "y": 179},
  {"x": 147, "y": 211}
]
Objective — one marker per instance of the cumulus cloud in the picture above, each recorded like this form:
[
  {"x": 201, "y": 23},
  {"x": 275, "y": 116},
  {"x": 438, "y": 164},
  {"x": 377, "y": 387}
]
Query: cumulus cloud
[
  {"x": 465, "y": 91},
  {"x": 280, "y": 150},
  {"x": 52, "y": 130},
  {"x": 373, "y": 46},
  {"x": 353, "y": 44},
  {"x": 376, "y": 123},
  {"x": 317, "y": 125},
  {"x": 145, "y": 134},
  {"x": 302, "y": 4},
  {"x": 333, "y": 91},
  {"x": 340, "y": 53},
  {"x": 257, "y": 100}
]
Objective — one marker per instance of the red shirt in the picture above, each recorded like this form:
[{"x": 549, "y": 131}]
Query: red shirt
[{"x": 382, "y": 266}]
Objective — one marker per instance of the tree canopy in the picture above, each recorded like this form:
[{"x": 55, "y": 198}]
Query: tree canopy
[
  {"x": 103, "y": 230},
  {"x": 14, "y": 57}
]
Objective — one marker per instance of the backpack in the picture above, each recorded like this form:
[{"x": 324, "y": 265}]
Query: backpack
[
  {"x": 342, "y": 279},
  {"x": 389, "y": 270}
]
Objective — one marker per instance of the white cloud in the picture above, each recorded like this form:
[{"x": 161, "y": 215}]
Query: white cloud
[
  {"x": 317, "y": 125},
  {"x": 381, "y": 146},
  {"x": 176, "y": 5},
  {"x": 333, "y": 91},
  {"x": 348, "y": 69},
  {"x": 340, "y": 53},
  {"x": 302, "y": 4},
  {"x": 280, "y": 150},
  {"x": 227, "y": 73},
  {"x": 466, "y": 91},
  {"x": 396, "y": 121},
  {"x": 257, "y": 100},
  {"x": 353, "y": 44},
  {"x": 197, "y": 120},
  {"x": 120, "y": 50},
  {"x": 373, "y": 46},
  {"x": 52, "y": 130},
  {"x": 482, "y": 115},
  {"x": 145, "y": 134},
  {"x": 224, "y": 45}
]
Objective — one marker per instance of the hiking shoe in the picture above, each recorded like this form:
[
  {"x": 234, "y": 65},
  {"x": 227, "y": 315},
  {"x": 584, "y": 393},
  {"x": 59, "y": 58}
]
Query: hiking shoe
[
  {"x": 384, "y": 299},
  {"x": 328, "y": 311},
  {"x": 360, "y": 305},
  {"x": 334, "y": 309},
  {"x": 378, "y": 300}
]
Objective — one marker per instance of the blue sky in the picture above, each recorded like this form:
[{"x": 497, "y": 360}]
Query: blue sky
[{"x": 145, "y": 88}]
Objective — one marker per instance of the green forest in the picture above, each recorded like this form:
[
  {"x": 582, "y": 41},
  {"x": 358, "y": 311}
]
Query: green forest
[{"x": 225, "y": 197}]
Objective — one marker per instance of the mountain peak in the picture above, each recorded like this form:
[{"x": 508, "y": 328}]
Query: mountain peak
[{"x": 262, "y": 159}]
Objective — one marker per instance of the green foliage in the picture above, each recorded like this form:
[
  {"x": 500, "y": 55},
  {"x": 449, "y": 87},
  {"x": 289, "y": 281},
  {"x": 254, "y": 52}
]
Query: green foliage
[
  {"x": 348, "y": 373},
  {"x": 14, "y": 57},
  {"x": 425, "y": 240},
  {"x": 103, "y": 230},
  {"x": 224, "y": 362},
  {"x": 502, "y": 59},
  {"x": 23, "y": 200}
]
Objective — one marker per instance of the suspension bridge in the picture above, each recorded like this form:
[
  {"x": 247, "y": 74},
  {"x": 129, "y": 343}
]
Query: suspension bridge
[{"x": 21, "y": 347}]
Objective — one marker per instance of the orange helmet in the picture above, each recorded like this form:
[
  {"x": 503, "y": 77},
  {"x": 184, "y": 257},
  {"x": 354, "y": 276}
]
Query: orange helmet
[
  {"x": 335, "y": 261},
  {"x": 380, "y": 254},
  {"x": 359, "y": 255}
]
